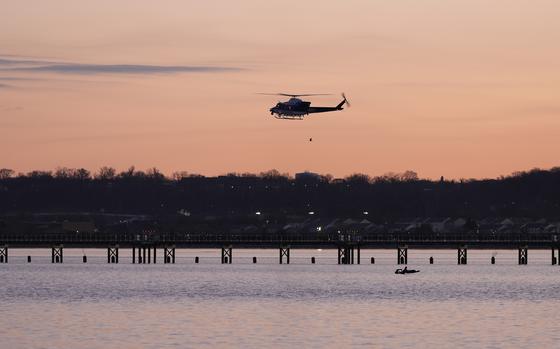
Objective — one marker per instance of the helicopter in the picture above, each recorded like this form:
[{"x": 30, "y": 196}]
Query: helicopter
[{"x": 297, "y": 109}]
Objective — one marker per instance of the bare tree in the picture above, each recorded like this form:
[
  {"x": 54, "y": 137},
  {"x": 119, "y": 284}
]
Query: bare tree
[
  {"x": 358, "y": 178},
  {"x": 273, "y": 174},
  {"x": 154, "y": 173},
  {"x": 178, "y": 175},
  {"x": 128, "y": 173},
  {"x": 81, "y": 174},
  {"x": 106, "y": 173},
  {"x": 409, "y": 176},
  {"x": 64, "y": 172},
  {"x": 38, "y": 174},
  {"x": 327, "y": 178},
  {"x": 6, "y": 173}
]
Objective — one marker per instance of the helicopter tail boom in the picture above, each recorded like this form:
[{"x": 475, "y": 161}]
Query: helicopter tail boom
[{"x": 339, "y": 106}]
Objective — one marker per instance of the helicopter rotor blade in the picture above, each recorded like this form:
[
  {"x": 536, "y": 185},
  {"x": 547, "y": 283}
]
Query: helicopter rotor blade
[
  {"x": 306, "y": 95},
  {"x": 295, "y": 95}
]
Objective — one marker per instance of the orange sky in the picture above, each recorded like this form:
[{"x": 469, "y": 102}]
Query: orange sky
[{"x": 455, "y": 88}]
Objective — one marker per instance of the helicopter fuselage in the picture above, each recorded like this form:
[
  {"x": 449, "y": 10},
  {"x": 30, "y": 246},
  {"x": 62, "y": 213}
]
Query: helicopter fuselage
[{"x": 296, "y": 109}]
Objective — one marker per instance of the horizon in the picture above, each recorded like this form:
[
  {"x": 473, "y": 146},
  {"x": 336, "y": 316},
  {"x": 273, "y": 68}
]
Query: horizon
[
  {"x": 182, "y": 173},
  {"x": 453, "y": 89}
]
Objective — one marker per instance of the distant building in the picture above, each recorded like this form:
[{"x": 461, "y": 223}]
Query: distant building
[{"x": 307, "y": 176}]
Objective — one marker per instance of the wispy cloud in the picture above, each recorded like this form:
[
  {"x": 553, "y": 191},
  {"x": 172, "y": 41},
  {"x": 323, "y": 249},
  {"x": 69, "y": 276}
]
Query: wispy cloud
[
  {"x": 12, "y": 78},
  {"x": 22, "y": 62},
  {"x": 31, "y": 65},
  {"x": 10, "y": 108},
  {"x": 122, "y": 69}
]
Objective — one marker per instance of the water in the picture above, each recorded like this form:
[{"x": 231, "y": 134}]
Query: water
[{"x": 96, "y": 305}]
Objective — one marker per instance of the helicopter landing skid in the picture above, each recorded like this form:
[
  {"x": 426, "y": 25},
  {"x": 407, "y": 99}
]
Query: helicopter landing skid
[{"x": 289, "y": 117}]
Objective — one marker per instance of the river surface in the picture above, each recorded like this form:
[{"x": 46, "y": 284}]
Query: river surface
[{"x": 267, "y": 305}]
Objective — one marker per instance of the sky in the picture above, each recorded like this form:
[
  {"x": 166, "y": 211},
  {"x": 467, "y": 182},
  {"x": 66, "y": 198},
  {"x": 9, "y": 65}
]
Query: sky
[{"x": 460, "y": 89}]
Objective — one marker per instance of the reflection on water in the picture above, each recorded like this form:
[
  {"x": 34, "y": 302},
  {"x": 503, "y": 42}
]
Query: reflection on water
[{"x": 95, "y": 305}]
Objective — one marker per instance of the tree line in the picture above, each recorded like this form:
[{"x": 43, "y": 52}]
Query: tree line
[{"x": 534, "y": 194}]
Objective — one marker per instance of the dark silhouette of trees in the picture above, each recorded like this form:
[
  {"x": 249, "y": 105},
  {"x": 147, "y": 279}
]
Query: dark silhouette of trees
[
  {"x": 534, "y": 193},
  {"x": 105, "y": 173}
]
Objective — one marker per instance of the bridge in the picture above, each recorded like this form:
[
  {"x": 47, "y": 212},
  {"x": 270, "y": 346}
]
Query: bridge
[{"x": 145, "y": 247}]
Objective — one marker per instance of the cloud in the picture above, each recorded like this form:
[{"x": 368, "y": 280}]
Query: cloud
[
  {"x": 4, "y": 61},
  {"x": 123, "y": 69},
  {"x": 31, "y": 65},
  {"x": 11, "y": 78},
  {"x": 10, "y": 108},
  {"x": 18, "y": 61}
]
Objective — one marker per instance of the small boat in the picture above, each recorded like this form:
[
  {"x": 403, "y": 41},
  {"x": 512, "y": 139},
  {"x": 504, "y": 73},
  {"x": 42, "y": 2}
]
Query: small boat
[{"x": 406, "y": 271}]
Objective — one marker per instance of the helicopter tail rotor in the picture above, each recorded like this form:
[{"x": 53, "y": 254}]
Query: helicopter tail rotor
[{"x": 346, "y": 100}]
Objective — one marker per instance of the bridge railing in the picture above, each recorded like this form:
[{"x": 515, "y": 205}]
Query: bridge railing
[{"x": 215, "y": 238}]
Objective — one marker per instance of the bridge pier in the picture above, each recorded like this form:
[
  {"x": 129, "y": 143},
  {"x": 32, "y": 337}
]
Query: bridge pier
[
  {"x": 346, "y": 254},
  {"x": 522, "y": 256},
  {"x": 462, "y": 255},
  {"x": 57, "y": 255},
  {"x": 144, "y": 254},
  {"x": 168, "y": 254},
  {"x": 4, "y": 254},
  {"x": 227, "y": 255},
  {"x": 139, "y": 254},
  {"x": 285, "y": 251},
  {"x": 343, "y": 255},
  {"x": 402, "y": 255},
  {"x": 113, "y": 254}
]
